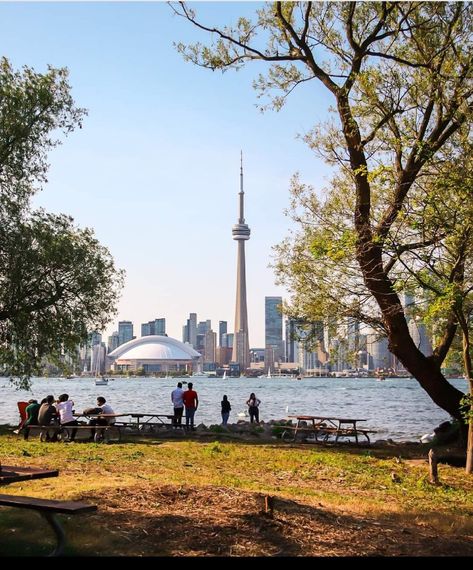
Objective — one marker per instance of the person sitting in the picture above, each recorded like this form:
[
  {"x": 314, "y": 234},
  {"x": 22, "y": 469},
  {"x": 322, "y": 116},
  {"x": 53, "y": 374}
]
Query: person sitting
[
  {"x": 47, "y": 415},
  {"x": 102, "y": 408},
  {"x": 32, "y": 411},
  {"x": 66, "y": 417}
]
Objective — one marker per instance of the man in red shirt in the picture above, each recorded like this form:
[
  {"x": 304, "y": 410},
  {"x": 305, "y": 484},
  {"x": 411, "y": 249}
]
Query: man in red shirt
[{"x": 191, "y": 402}]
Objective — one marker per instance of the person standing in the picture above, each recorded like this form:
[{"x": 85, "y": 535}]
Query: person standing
[
  {"x": 226, "y": 407},
  {"x": 253, "y": 408},
  {"x": 191, "y": 402},
  {"x": 178, "y": 403}
]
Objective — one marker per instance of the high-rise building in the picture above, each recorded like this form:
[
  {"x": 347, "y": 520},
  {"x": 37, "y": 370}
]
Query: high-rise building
[
  {"x": 158, "y": 326},
  {"x": 227, "y": 340},
  {"x": 274, "y": 347},
  {"x": 241, "y": 233},
  {"x": 210, "y": 342},
  {"x": 113, "y": 341},
  {"x": 418, "y": 332},
  {"x": 204, "y": 326},
  {"x": 222, "y": 329},
  {"x": 125, "y": 331},
  {"x": 192, "y": 329}
]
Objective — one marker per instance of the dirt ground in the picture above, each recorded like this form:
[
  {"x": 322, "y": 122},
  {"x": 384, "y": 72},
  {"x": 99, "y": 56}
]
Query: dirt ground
[{"x": 222, "y": 522}]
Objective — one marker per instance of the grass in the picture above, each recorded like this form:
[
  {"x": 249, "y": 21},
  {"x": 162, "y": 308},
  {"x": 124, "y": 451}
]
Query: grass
[{"x": 118, "y": 477}]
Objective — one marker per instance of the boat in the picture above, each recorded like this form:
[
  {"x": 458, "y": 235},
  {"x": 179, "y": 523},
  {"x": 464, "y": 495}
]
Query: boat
[
  {"x": 200, "y": 374},
  {"x": 100, "y": 379},
  {"x": 268, "y": 375},
  {"x": 224, "y": 377}
]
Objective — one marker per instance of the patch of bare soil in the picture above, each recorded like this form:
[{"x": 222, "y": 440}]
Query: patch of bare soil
[{"x": 187, "y": 521}]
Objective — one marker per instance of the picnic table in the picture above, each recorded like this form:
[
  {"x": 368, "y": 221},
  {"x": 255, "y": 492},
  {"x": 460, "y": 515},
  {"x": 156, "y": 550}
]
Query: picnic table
[
  {"x": 48, "y": 508},
  {"x": 133, "y": 423},
  {"x": 321, "y": 428},
  {"x": 12, "y": 474}
]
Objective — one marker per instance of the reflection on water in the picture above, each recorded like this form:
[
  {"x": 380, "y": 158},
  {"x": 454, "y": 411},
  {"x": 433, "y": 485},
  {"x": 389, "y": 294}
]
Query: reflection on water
[{"x": 396, "y": 408}]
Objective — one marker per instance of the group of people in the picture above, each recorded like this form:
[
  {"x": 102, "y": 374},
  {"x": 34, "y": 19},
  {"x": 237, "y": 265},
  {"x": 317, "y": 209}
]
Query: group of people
[
  {"x": 187, "y": 399},
  {"x": 61, "y": 411}
]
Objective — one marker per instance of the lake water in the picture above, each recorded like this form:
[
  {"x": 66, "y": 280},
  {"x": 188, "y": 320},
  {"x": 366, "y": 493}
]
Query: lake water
[{"x": 397, "y": 408}]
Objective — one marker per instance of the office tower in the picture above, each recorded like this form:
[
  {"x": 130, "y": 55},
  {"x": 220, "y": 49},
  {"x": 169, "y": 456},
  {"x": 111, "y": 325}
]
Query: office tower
[
  {"x": 125, "y": 331},
  {"x": 378, "y": 353},
  {"x": 241, "y": 233},
  {"x": 292, "y": 341},
  {"x": 420, "y": 336},
  {"x": 158, "y": 326},
  {"x": 227, "y": 340},
  {"x": 274, "y": 347},
  {"x": 192, "y": 329},
  {"x": 113, "y": 341},
  {"x": 210, "y": 342},
  {"x": 222, "y": 329},
  {"x": 204, "y": 326},
  {"x": 146, "y": 329},
  {"x": 95, "y": 338}
]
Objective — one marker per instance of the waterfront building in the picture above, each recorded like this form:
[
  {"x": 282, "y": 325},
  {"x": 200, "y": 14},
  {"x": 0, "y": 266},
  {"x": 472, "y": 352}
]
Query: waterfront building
[
  {"x": 223, "y": 355},
  {"x": 153, "y": 353},
  {"x": 379, "y": 356},
  {"x": 241, "y": 233}
]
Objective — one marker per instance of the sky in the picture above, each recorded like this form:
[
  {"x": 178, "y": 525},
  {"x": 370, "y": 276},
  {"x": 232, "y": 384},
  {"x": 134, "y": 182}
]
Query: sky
[{"x": 155, "y": 168}]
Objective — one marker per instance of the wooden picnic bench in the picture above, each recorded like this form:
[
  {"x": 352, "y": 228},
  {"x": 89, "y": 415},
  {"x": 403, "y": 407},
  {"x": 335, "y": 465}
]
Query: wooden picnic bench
[
  {"x": 63, "y": 433},
  {"x": 322, "y": 428},
  {"x": 48, "y": 508}
]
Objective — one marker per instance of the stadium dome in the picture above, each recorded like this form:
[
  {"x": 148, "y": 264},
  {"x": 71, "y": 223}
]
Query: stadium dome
[{"x": 154, "y": 353}]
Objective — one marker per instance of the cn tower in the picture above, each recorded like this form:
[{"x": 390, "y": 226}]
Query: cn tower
[{"x": 241, "y": 233}]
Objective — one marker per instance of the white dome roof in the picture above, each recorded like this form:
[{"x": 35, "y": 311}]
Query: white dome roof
[{"x": 154, "y": 347}]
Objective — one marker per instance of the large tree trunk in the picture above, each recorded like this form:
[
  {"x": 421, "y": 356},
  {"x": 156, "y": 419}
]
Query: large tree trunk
[{"x": 426, "y": 370}]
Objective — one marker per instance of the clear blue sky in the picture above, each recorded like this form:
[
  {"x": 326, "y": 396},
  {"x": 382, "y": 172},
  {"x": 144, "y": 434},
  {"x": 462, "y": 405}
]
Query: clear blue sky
[{"x": 155, "y": 168}]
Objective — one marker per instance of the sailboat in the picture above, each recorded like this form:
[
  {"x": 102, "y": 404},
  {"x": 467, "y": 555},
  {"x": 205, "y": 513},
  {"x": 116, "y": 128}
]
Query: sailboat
[
  {"x": 224, "y": 377},
  {"x": 268, "y": 375},
  {"x": 100, "y": 380}
]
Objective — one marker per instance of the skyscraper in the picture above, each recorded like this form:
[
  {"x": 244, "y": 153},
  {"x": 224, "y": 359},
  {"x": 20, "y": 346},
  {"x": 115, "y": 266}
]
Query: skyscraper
[
  {"x": 125, "y": 331},
  {"x": 222, "y": 329},
  {"x": 241, "y": 233},
  {"x": 274, "y": 347}
]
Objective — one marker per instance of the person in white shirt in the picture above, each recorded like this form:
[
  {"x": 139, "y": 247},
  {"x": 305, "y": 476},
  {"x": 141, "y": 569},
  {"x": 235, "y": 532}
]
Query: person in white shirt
[
  {"x": 102, "y": 408},
  {"x": 178, "y": 403},
  {"x": 64, "y": 408}
]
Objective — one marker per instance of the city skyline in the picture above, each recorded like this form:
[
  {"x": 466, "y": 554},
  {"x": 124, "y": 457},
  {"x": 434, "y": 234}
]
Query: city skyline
[{"x": 154, "y": 168}]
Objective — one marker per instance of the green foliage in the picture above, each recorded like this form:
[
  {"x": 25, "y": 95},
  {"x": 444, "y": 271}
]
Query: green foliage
[
  {"x": 56, "y": 281},
  {"x": 397, "y": 215}
]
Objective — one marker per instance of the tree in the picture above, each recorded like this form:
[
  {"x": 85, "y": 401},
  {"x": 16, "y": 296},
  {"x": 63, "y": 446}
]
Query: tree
[
  {"x": 56, "y": 281},
  {"x": 400, "y": 76}
]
